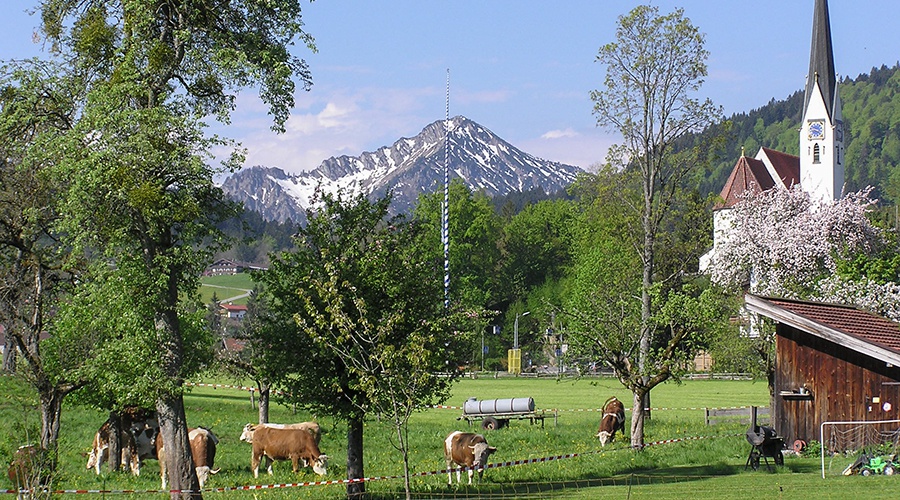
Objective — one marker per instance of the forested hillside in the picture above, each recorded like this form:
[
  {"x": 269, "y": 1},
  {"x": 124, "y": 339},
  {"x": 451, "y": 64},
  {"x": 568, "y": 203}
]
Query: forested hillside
[{"x": 871, "y": 109}]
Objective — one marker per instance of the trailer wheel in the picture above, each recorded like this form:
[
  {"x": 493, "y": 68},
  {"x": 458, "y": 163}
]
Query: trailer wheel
[{"x": 490, "y": 424}]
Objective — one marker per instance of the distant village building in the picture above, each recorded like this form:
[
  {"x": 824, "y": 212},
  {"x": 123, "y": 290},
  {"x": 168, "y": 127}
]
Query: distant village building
[
  {"x": 232, "y": 311},
  {"x": 225, "y": 267}
]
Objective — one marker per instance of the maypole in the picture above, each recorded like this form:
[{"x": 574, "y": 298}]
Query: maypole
[{"x": 445, "y": 212}]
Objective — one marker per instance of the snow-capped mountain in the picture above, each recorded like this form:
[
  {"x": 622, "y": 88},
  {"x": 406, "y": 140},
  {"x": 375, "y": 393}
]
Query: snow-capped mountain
[{"x": 411, "y": 166}]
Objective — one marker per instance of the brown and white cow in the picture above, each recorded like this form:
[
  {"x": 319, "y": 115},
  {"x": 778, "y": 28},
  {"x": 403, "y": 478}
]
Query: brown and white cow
[
  {"x": 137, "y": 440},
  {"x": 295, "y": 445},
  {"x": 613, "y": 420},
  {"x": 312, "y": 427},
  {"x": 203, "y": 451},
  {"x": 466, "y": 449}
]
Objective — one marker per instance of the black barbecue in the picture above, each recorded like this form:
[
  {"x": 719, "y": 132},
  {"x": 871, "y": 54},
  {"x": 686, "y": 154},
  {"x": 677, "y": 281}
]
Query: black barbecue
[{"x": 765, "y": 443}]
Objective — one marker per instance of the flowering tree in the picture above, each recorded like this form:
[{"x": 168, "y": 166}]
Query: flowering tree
[{"x": 784, "y": 244}]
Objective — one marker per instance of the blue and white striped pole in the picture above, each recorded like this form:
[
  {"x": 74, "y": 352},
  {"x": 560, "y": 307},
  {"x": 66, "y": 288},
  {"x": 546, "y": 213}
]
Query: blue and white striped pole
[{"x": 445, "y": 215}]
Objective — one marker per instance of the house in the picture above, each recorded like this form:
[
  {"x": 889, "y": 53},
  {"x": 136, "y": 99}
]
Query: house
[
  {"x": 832, "y": 363},
  {"x": 229, "y": 267},
  {"x": 232, "y": 311}
]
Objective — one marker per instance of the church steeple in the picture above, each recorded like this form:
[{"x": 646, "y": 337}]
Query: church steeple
[
  {"x": 822, "y": 128},
  {"x": 821, "y": 60}
]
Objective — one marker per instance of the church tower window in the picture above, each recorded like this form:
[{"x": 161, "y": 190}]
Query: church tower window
[{"x": 816, "y": 154}]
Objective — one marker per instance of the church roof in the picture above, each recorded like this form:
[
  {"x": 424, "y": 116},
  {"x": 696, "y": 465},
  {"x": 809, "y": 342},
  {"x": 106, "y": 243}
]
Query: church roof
[
  {"x": 821, "y": 60},
  {"x": 748, "y": 175},
  {"x": 787, "y": 166}
]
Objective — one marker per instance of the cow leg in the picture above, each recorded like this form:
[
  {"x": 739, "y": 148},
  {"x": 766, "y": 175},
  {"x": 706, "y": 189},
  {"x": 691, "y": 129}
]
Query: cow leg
[
  {"x": 295, "y": 462},
  {"x": 449, "y": 474},
  {"x": 471, "y": 473},
  {"x": 254, "y": 464}
]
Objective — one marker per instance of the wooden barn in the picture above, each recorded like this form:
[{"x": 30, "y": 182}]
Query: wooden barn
[{"x": 832, "y": 363}]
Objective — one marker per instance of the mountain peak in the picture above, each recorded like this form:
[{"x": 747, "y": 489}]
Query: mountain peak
[{"x": 411, "y": 166}]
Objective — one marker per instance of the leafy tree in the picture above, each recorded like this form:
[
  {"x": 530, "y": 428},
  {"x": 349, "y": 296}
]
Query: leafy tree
[
  {"x": 37, "y": 107},
  {"x": 656, "y": 63},
  {"x": 363, "y": 301},
  {"x": 475, "y": 232},
  {"x": 140, "y": 192}
]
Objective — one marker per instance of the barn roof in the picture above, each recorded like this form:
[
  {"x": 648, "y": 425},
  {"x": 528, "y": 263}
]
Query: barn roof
[{"x": 848, "y": 326}]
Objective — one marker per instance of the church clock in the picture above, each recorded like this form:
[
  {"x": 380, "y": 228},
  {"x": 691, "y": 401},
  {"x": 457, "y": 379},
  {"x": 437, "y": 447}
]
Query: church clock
[{"x": 816, "y": 130}]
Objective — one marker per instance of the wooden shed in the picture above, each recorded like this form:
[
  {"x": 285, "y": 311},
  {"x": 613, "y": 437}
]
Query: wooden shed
[{"x": 832, "y": 363}]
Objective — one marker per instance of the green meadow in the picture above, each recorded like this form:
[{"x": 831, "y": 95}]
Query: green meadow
[
  {"x": 225, "y": 287},
  {"x": 710, "y": 467}
]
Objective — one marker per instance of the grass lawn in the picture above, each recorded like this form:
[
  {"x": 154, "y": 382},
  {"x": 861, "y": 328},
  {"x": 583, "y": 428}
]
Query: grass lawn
[
  {"x": 225, "y": 288},
  {"x": 713, "y": 467}
]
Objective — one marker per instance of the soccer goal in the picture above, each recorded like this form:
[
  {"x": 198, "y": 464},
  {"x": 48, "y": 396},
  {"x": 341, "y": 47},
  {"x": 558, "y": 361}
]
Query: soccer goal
[{"x": 859, "y": 447}]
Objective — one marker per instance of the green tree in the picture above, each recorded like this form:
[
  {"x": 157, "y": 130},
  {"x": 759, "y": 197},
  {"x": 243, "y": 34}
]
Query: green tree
[
  {"x": 475, "y": 232},
  {"x": 652, "y": 69},
  {"x": 365, "y": 303},
  {"x": 37, "y": 108},
  {"x": 141, "y": 193}
]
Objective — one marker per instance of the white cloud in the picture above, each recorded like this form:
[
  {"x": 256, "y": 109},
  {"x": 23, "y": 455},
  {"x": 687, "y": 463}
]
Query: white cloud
[{"x": 558, "y": 134}]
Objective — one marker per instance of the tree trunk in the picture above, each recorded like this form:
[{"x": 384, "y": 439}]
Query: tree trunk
[
  {"x": 9, "y": 356},
  {"x": 179, "y": 462},
  {"x": 263, "y": 402},
  {"x": 355, "y": 490},
  {"x": 115, "y": 443},
  {"x": 637, "y": 420},
  {"x": 170, "y": 406}
]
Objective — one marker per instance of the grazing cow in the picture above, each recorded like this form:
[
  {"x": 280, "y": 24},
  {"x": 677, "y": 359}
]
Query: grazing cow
[
  {"x": 613, "y": 420},
  {"x": 25, "y": 469},
  {"x": 286, "y": 444},
  {"x": 203, "y": 451},
  {"x": 137, "y": 440},
  {"x": 311, "y": 427},
  {"x": 466, "y": 449}
]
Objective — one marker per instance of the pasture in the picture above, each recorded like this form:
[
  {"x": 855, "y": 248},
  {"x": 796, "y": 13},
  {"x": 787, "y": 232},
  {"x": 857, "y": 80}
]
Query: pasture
[
  {"x": 712, "y": 467},
  {"x": 225, "y": 287}
]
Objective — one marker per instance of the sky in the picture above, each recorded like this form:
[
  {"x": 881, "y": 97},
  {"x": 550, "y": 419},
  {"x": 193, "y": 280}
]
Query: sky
[{"x": 523, "y": 69}]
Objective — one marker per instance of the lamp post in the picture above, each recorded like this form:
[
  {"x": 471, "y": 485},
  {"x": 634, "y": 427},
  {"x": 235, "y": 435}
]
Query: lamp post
[{"x": 516, "y": 329}]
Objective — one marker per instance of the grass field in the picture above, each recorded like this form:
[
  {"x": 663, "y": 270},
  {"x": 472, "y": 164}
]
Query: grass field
[
  {"x": 225, "y": 288},
  {"x": 713, "y": 467}
]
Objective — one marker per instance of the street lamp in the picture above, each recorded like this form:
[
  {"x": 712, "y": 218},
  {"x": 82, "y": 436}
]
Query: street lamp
[{"x": 516, "y": 329}]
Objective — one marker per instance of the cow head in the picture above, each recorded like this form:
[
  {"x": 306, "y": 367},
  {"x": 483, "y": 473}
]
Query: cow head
[
  {"x": 481, "y": 452},
  {"x": 605, "y": 437},
  {"x": 247, "y": 434},
  {"x": 203, "y": 474},
  {"x": 320, "y": 466}
]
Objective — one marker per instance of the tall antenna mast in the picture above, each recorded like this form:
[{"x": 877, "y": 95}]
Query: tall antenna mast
[{"x": 445, "y": 212}]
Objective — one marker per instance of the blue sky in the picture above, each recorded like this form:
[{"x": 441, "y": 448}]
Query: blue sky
[{"x": 522, "y": 68}]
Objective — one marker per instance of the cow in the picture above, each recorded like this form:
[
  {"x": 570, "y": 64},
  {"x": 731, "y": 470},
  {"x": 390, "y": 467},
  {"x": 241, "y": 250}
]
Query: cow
[
  {"x": 466, "y": 449},
  {"x": 613, "y": 420},
  {"x": 203, "y": 450},
  {"x": 25, "y": 469},
  {"x": 312, "y": 427},
  {"x": 295, "y": 445},
  {"x": 137, "y": 440}
]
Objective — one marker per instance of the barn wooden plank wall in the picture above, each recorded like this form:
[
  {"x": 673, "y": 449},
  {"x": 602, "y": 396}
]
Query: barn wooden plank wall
[{"x": 842, "y": 384}]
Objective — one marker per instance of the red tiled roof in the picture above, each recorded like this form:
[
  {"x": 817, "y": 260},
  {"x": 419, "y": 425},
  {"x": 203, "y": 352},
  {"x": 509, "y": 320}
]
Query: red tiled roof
[
  {"x": 786, "y": 166},
  {"x": 861, "y": 324},
  {"x": 748, "y": 175},
  {"x": 232, "y": 307}
]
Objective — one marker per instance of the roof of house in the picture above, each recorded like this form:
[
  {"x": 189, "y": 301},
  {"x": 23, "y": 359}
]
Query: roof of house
[
  {"x": 849, "y": 326},
  {"x": 233, "y": 307}
]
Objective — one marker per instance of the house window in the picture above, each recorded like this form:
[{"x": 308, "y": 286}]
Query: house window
[{"x": 816, "y": 154}]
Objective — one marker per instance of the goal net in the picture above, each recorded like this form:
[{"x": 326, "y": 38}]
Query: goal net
[{"x": 848, "y": 447}]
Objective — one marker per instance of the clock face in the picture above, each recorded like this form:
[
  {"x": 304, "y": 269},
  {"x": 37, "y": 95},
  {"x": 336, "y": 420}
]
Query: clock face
[{"x": 816, "y": 130}]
